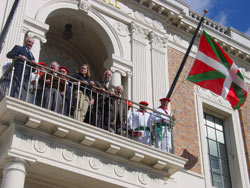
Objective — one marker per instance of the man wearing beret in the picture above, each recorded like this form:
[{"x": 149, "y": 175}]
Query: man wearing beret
[
  {"x": 35, "y": 89},
  {"x": 162, "y": 126},
  {"x": 139, "y": 123},
  {"x": 54, "y": 89}
]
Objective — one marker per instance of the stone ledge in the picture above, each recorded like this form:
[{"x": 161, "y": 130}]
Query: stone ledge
[{"x": 93, "y": 137}]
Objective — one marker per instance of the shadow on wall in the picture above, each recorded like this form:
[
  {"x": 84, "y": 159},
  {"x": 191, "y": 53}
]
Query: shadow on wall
[{"x": 192, "y": 160}]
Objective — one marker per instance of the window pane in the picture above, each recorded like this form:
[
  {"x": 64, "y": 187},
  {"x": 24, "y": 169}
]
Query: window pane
[
  {"x": 217, "y": 152},
  {"x": 215, "y": 165},
  {"x": 213, "y": 148},
  {"x": 211, "y": 133},
  {"x": 227, "y": 182},
  {"x": 217, "y": 181},
  {"x": 222, "y": 151},
  {"x": 220, "y": 137},
  {"x": 218, "y": 124},
  {"x": 225, "y": 170},
  {"x": 210, "y": 120}
]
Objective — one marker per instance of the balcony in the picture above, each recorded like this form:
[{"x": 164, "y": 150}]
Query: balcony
[{"x": 51, "y": 139}]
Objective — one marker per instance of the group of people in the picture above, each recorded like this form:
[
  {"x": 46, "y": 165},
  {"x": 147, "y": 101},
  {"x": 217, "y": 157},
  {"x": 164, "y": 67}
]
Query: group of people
[
  {"x": 152, "y": 128},
  {"x": 97, "y": 103}
]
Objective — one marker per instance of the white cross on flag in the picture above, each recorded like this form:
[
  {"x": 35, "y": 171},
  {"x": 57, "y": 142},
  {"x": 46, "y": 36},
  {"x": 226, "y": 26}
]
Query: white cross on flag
[{"x": 213, "y": 69}]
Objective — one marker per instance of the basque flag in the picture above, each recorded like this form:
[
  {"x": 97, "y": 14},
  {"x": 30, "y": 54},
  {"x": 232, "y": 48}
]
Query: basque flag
[{"x": 213, "y": 69}]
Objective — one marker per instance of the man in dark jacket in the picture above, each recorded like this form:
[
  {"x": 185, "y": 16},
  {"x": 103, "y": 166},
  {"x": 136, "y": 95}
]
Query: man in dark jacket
[
  {"x": 20, "y": 54},
  {"x": 101, "y": 112}
]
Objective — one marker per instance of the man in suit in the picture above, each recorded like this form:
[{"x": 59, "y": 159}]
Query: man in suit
[
  {"x": 101, "y": 110},
  {"x": 20, "y": 54}
]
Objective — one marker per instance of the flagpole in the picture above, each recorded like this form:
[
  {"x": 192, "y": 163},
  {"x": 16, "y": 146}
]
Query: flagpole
[
  {"x": 185, "y": 57},
  {"x": 7, "y": 24}
]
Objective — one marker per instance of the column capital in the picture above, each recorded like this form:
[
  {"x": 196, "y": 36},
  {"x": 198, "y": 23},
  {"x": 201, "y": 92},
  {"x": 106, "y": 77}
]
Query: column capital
[
  {"x": 37, "y": 36},
  {"x": 156, "y": 40},
  {"x": 116, "y": 69},
  {"x": 138, "y": 32},
  {"x": 130, "y": 74},
  {"x": 18, "y": 160}
]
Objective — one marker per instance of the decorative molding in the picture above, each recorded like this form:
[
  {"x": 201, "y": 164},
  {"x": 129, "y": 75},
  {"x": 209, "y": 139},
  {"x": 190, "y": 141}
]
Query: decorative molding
[
  {"x": 32, "y": 122},
  {"x": 18, "y": 160},
  {"x": 205, "y": 93},
  {"x": 95, "y": 163},
  {"x": 160, "y": 165},
  {"x": 121, "y": 29},
  {"x": 143, "y": 178},
  {"x": 113, "y": 149},
  {"x": 117, "y": 69},
  {"x": 138, "y": 32},
  {"x": 157, "y": 25},
  {"x": 84, "y": 5},
  {"x": 119, "y": 171},
  {"x": 88, "y": 141},
  {"x": 148, "y": 21},
  {"x": 139, "y": 16},
  {"x": 137, "y": 157},
  {"x": 60, "y": 132},
  {"x": 37, "y": 36},
  {"x": 177, "y": 39},
  {"x": 68, "y": 155},
  {"x": 157, "y": 41},
  {"x": 40, "y": 146}
]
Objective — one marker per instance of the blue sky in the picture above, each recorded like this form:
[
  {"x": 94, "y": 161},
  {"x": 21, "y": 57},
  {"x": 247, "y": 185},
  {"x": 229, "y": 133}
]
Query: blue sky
[{"x": 234, "y": 13}]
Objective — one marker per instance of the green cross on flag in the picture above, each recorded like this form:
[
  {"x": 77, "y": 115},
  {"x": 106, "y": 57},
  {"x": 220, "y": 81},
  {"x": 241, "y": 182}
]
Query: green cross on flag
[{"x": 213, "y": 69}]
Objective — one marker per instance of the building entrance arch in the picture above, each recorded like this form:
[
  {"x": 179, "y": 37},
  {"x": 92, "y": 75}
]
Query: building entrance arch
[{"x": 91, "y": 42}]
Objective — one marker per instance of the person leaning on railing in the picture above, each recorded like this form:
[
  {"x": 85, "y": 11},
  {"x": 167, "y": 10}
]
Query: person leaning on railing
[
  {"x": 163, "y": 126},
  {"x": 35, "y": 89},
  {"x": 100, "y": 111},
  {"x": 139, "y": 124},
  {"x": 66, "y": 95},
  {"x": 82, "y": 92},
  {"x": 118, "y": 110},
  {"x": 54, "y": 88},
  {"x": 20, "y": 54}
]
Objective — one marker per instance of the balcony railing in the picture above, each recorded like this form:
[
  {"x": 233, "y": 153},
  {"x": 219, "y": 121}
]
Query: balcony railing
[{"x": 68, "y": 96}]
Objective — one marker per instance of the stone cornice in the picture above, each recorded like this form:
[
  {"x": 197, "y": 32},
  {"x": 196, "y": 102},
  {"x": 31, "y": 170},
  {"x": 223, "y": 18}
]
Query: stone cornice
[{"x": 187, "y": 20}]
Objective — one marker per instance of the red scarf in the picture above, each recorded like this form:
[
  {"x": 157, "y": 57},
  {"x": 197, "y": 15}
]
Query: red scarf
[
  {"x": 40, "y": 73},
  {"x": 165, "y": 109},
  {"x": 141, "y": 111}
]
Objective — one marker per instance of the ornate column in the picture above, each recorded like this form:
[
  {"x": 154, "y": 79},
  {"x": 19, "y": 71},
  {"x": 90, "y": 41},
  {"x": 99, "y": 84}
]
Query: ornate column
[
  {"x": 117, "y": 76},
  {"x": 14, "y": 173},
  {"x": 129, "y": 85},
  {"x": 38, "y": 41},
  {"x": 159, "y": 65},
  {"x": 141, "y": 64}
]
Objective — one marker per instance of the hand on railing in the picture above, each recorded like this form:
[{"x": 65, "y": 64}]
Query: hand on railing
[{"x": 24, "y": 58}]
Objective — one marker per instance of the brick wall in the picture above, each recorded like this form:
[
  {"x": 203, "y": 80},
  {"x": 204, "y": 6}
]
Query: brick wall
[
  {"x": 183, "y": 106},
  {"x": 244, "y": 112}
]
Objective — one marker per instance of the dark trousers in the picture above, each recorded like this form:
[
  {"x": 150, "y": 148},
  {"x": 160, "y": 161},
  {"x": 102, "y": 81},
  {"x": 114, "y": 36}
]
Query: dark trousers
[{"x": 52, "y": 100}]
